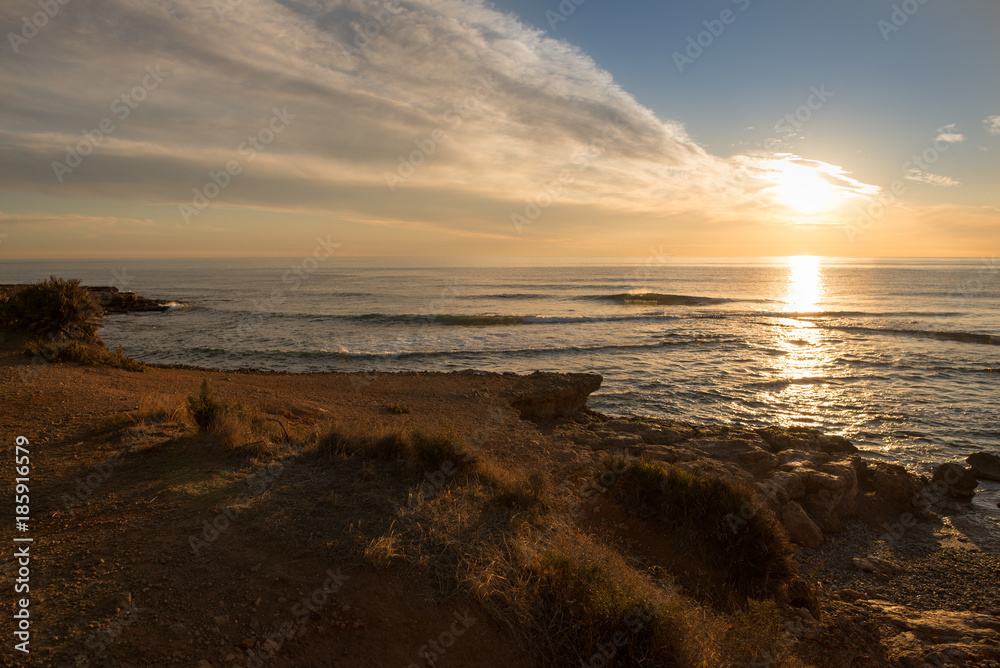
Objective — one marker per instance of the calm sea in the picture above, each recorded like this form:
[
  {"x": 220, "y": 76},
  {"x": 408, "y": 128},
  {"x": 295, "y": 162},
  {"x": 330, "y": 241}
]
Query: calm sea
[{"x": 900, "y": 355}]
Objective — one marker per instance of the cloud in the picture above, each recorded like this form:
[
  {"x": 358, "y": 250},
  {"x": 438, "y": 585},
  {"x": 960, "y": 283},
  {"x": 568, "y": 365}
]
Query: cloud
[
  {"x": 436, "y": 114},
  {"x": 72, "y": 220},
  {"x": 992, "y": 124},
  {"x": 947, "y": 134},
  {"x": 927, "y": 178},
  {"x": 514, "y": 107}
]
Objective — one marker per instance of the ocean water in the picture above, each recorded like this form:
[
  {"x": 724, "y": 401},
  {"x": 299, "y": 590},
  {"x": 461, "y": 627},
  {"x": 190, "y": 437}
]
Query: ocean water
[{"x": 900, "y": 355}]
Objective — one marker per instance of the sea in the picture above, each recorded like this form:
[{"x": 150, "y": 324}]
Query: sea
[{"x": 902, "y": 356}]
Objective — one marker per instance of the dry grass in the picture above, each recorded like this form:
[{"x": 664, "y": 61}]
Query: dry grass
[
  {"x": 341, "y": 439},
  {"x": 468, "y": 526},
  {"x": 384, "y": 551},
  {"x": 719, "y": 519},
  {"x": 88, "y": 353},
  {"x": 159, "y": 408},
  {"x": 237, "y": 427}
]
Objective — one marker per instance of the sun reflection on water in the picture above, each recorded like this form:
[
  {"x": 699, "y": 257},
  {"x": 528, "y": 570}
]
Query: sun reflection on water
[
  {"x": 802, "y": 371},
  {"x": 805, "y": 283}
]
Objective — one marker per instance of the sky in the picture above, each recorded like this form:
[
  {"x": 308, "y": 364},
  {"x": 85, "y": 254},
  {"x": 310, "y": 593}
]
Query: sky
[{"x": 212, "y": 128}]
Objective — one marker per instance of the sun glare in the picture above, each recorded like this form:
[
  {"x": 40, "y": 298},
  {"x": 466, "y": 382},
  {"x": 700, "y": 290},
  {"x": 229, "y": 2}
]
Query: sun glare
[
  {"x": 806, "y": 187},
  {"x": 805, "y": 286},
  {"x": 804, "y": 190}
]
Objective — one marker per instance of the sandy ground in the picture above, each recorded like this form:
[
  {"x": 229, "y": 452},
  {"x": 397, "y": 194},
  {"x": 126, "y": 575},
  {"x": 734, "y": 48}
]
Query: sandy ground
[{"x": 105, "y": 523}]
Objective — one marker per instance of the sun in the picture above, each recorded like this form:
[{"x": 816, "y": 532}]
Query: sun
[{"x": 802, "y": 188}]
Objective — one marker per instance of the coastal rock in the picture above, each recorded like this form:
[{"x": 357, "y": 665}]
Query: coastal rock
[
  {"x": 960, "y": 481},
  {"x": 745, "y": 453},
  {"x": 892, "y": 483},
  {"x": 801, "y": 529},
  {"x": 792, "y": 482},
  {"x": 664, "y": 435},
  {"x": 985, "y": 465},
  {"x": 822, "y": 508},
  {"x": 818, "y": 481},
  {"x": 795, "y": 458},
  {"x": 661, "y": 453},
  {"x": 115, "y": 301},
  {"x": 773, "y": 494},
  {"x": 555, "y": 395},
  {"x": 937, "y": 625},
  {"x": 833, "y": 445},
  {"x": 615, "y": 442}
]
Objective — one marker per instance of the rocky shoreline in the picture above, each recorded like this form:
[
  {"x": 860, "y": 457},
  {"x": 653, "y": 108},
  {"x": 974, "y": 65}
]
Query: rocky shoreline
[
  {"x": 111, "y": 299},
  {"x": 901, "y": 557}
]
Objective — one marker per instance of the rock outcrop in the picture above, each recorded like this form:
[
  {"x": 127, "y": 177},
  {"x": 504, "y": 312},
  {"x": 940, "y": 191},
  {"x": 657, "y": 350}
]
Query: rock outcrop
[
  {"x": 555, "y": 395},
  {"x": 985, "y": 465},
  {"x": 959, "y": 480},
  {"x": 810, "y": 481},
  {"x": 115, "y": 301}
]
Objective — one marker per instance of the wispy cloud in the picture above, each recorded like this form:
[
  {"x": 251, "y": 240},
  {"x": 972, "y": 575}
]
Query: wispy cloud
[
  {"x": 948, "y": 134},
  {"x": 357, "y": 110},
  {"x": 920, "y": 176},
  {"x": 361, "y": 106},
  {"x": 72, "y": 220},
  {"x": 992, "y": 124}
]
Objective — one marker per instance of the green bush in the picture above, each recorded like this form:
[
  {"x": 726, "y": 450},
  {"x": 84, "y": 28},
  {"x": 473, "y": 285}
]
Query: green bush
[{"x": 55, "y": 308}]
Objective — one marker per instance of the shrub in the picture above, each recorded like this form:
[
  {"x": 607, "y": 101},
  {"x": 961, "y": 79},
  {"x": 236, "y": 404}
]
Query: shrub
[
  {"x": 81, "y": 352},
  {"x": 54, "y": 308},
  {"x": 586, "y": 597},
  {"x": 205, "y": 408},
  {"x": 530, "y": 493},
  {"x": 341, "y": 439},
  {"x": 399, "y": 409},
  {"x": 433, "y": 450},
  {"x": 719, "y": 518}
]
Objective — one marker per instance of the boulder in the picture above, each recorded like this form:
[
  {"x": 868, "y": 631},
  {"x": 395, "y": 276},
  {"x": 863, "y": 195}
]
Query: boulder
[
  {"x": 553, "y": 395},
  {"x": 985, "y": 465},
  {"x": 893, "y": 485},
  {"x": 818, "y": 481},
  {"x": 773, "y": 494},
  {"x": 960, "y": 481},
  {"x": 822, "y": 508},
  {"x": 748, "y": 455},
  {"x": 667, "y": 435},
  {"x": 801, "y": 529},
  {"x": 793, "y": 482}
]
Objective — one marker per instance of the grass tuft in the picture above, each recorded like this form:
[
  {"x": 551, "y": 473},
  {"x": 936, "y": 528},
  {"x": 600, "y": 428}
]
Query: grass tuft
[
  {"x": 205, "y": 408},
  {"x": 399, "y": 409},
  {"x": 435, "y": 449},
  {"x": 718, "y": 518},
  {"x": 580, "y": 596},
  {"x": 233, "y": 425},
  {"x": 90, "y": 353}
]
